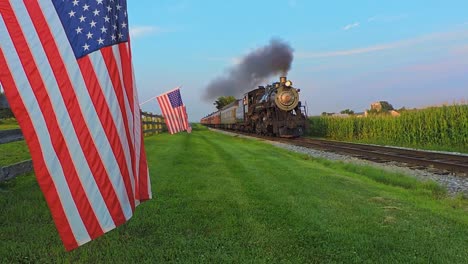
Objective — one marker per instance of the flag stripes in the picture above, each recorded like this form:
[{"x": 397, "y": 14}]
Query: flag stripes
[
  {"x": 80, "y": 119},
  {"x": 174, "y": 112}
]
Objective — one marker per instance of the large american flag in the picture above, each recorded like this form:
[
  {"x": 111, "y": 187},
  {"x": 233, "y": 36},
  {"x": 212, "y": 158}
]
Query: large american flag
[
  {"x": 66, "y": 70},
  {"x": 174, "y": 111}
]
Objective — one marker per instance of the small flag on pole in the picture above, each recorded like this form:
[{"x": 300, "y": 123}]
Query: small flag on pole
[
  {"x": 174, "y": 111},
  {"x": 66, "y": 70}
]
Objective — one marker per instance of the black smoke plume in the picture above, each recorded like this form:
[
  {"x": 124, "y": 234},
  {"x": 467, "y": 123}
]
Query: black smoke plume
[{"x": 254, "y": 68}]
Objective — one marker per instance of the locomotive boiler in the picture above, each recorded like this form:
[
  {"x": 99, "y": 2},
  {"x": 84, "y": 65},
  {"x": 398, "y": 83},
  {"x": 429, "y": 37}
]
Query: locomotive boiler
[{"x": 273, "y": 110}]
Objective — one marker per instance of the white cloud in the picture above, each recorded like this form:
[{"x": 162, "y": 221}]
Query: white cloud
[
  {"x": 350, "y": 26},
  {"x": 141, "y": 31},
  {"x": 292, "y": 3},
  {"x": 232, "y": 60},
  {"x": 445, "y": 36}
]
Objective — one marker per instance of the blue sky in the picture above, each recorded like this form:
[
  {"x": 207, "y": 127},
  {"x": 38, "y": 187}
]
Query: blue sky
[{"x": 347, "y": 54}]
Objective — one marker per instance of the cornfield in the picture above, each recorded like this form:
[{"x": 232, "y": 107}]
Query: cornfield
[{"x": 439, "y": 128}]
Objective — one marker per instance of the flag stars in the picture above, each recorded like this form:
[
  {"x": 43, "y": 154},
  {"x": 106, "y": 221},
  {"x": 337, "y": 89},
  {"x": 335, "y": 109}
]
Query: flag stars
[{"x": 95, "y": 23}]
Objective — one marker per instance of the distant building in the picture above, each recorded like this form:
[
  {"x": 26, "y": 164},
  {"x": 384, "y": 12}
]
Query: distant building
[{"x": 381, "y": 106}]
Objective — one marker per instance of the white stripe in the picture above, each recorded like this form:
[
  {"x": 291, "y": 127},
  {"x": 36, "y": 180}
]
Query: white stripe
[
  {"x": 130, "y": 141},
  {"x": 64, "y": 121},
  {"x": 111, "y": 99},
  {"x": 128, "y": 109},
  {"x": 166, "y": 114},
  {"x": 87, "y": 108},
  {"x": 149, "y": 185},
  {"x": 50, "y": 158},
  {"x": 137, "y": 129},
  {"x": 170, "y": 114}
]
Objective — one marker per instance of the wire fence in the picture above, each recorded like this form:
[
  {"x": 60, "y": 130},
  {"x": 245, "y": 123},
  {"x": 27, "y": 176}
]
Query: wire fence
[{"x": 151, "y": 124}]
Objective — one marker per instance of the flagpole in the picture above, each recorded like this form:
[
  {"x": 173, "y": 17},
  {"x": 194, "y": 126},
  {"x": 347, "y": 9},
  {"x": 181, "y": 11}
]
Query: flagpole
[
  {"x": 148, "y": 100},
  {"x": 178, "y": 87}
]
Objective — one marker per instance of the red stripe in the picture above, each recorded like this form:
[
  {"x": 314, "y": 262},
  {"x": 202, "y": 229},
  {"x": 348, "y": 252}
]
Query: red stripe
[
  {"x": 174, "y": 114},
  {"x": 86, "y": 142},
  {"x": 42, "y": 174},
  {"x": 182, "y": 117},
  {"x": 168, "y": 113},
  {"x": 165, "y": 112},
  {"x": 171, "y": 114},
  {"x": 185, "y": 117},
  {"x": 127, "y": 73},
  {"x": 143, "y": 174},
  {"x": 58, "y": 142},
  {"x": 105, "y": 116},
  {"x": 166, "y": 119},
  {"x": 114, "y": 75}
]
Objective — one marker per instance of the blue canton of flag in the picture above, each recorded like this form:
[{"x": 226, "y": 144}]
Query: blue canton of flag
[
  {"x": 93, "y": 24},
  {"x": 175, "y": 98}
]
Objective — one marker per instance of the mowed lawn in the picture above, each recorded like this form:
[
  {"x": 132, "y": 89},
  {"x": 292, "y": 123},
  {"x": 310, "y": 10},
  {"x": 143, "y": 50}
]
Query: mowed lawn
[{"x": 224, "y": 199}]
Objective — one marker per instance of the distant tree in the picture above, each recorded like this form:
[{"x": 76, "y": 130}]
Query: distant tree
[
  {"x": 223, "y": 101},
  {"x": 324, "y": 113},
  {"x": 347, "y": 111}
]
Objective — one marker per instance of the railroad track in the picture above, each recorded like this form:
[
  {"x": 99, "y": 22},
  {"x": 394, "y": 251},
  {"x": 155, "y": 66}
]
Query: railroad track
[
  {"x": 444, "y": 163},
  {"x": 441, "y": 163}
]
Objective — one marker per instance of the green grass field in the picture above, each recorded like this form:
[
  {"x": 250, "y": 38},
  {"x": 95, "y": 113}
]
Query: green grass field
[
  {"x": 223, "y": 199},
  {"x": 13, "y": 152},
  {"x": 9, "y": 123}
]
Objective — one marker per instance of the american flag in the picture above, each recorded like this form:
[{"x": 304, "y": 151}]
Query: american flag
[
  {"x": 174, "y": 111},
  {"x": 66, "y": 70}
]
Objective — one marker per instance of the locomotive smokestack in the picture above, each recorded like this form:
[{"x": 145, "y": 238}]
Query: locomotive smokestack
[
  {"x": 282, "y": 80},
  {"x": 253, "y": 69}
]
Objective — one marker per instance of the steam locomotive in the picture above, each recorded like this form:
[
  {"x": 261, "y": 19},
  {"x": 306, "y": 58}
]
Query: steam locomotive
[{"x": 273, "y": 110}]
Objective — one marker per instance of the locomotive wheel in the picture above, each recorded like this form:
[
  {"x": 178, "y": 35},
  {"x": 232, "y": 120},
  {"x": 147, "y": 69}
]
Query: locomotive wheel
[
  {"x": 258, "y": 128},
  {"x": 269, "y": 131}
]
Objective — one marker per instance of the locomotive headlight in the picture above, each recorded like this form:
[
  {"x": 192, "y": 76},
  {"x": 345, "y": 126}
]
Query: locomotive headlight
[
  {"x": 286, "y": 98},
  {"x": 288, "y": 83}
]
